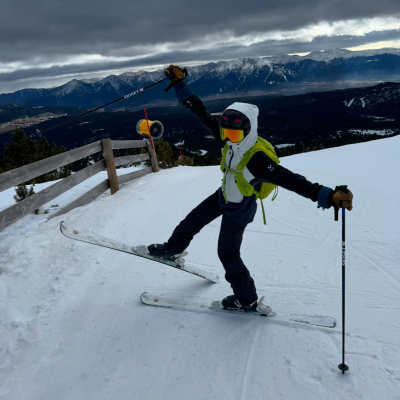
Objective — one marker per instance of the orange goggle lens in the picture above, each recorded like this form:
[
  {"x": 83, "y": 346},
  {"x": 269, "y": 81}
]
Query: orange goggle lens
[{"x": 234, "y": 135}]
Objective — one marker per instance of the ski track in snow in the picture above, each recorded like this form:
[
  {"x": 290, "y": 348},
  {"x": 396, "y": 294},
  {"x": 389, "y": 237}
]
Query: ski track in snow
[
  {"x": 72, "y": 325},
  {"x": 246, "y": 374}
]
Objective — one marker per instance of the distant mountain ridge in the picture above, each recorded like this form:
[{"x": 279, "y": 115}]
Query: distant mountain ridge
[
  {"x": 282, "y": 119},
  {"x": 281, "y": 74}
]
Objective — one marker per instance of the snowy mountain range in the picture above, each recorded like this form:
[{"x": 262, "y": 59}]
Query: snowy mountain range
[
  {"x": 282, "y": 119},
  {"x": 282, "y": 74}
]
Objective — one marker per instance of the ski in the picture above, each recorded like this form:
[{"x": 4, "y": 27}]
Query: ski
[
  {"x": 161, "y": 301},
  {"x": 93, "y": 238}
]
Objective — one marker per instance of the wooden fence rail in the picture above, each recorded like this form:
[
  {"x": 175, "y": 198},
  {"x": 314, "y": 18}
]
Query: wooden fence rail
[
  {"x": 109, "y": 163},
  {"x": 131, "y": 159},
  {"x": 30, "y": 171}
]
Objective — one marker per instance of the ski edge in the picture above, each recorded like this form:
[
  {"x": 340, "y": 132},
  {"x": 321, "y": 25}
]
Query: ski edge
[{"x": 313, "y": 320}]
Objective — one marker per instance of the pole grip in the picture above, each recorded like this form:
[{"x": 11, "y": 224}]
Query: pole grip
[{"x": 343, "y": 188}]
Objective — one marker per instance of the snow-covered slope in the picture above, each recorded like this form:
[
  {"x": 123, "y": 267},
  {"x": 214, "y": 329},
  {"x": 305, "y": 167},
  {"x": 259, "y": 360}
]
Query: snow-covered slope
[{"x": 72, "y": 325}]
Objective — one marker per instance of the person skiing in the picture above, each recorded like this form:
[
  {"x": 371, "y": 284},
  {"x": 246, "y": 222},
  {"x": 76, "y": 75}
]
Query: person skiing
[{"x": 237, "y": 129}]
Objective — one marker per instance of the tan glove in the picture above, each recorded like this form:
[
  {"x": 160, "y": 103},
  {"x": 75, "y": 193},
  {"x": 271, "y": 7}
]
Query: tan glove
[
  {"x": 175, "y": 74},
  {"x": 346, "y": 199}
]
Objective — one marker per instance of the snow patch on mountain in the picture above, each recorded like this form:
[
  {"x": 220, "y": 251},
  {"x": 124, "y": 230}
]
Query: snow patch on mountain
[
  {"x": 279, "y": 146},
  {"x": 91, "y": 80},
  {"x": 112, "y": 81},
  {"x": 71, "y": 87},
  {"x": 329, "y": 55},
  {"x": 379, "y": 132},
  {"x": 264, "y": 62}
]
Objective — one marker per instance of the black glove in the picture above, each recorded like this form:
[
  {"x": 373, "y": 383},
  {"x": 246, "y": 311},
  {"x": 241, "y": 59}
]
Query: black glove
[{"x": 175, "y": 75}]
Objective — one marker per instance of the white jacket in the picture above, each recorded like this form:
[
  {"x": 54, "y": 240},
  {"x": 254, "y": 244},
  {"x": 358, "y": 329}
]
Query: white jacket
[{"x": 237, "y": 150}]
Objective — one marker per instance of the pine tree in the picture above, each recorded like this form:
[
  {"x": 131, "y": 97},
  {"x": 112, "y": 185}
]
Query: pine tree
[
  {"x": 23, "y": 150},
  {"x": 186, "y": 160},
  {"x": 22, "y": 192},
  {"x": 164, "y": 154},
  {"x": 1, "y": 163}
]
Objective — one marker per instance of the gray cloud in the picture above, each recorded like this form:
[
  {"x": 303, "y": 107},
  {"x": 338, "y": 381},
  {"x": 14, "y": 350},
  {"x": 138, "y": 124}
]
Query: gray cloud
[
  {"x": 34, "y": 34},
  {"x": 50, "y": 28}
]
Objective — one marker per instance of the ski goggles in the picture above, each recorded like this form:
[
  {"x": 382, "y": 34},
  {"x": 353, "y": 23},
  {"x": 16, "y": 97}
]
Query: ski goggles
[{"x": 233, "y": 135}]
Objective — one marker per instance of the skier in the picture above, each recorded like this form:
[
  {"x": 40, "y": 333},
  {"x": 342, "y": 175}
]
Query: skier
[{"x": 237, "y": 128}]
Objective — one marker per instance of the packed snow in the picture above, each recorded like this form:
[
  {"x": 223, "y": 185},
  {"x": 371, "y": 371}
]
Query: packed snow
[{"x": 72, "y": 325}]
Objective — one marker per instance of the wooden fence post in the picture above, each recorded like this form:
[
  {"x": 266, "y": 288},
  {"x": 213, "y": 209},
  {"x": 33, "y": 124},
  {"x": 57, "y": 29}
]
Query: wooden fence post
[
  {"x": 110, "y": 165},
  {"x": 153, "y": 158}
]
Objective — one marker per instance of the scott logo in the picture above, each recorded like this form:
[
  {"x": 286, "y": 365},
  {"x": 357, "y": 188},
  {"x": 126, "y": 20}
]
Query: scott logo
[
  {"x": 271, "y": 167},
  {"x": 133, "y": 93}
]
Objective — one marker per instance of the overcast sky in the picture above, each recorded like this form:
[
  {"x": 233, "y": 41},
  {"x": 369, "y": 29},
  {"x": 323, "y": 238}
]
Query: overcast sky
[{"x": 48, "y": 42}]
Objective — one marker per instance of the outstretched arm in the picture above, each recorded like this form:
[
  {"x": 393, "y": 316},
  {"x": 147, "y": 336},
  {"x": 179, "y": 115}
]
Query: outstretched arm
[{"x": 264, "y": 169}]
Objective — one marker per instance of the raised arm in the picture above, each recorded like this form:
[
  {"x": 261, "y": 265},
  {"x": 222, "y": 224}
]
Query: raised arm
[
  {"x": 193, "y": 103},
  {"x": 197, "y": 108}
]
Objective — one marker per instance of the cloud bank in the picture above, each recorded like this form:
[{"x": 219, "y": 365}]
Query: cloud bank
[{"x": 49, "y": 43}]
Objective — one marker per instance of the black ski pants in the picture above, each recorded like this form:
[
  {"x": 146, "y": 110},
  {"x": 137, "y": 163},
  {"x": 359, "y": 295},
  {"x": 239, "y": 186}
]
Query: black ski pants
[{"x": 229, "y": 242}]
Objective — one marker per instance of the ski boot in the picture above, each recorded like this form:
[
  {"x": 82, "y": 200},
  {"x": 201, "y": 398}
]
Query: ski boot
[
  {"x": 232, "y": 303},
  {"x": 162, "y": 251}
]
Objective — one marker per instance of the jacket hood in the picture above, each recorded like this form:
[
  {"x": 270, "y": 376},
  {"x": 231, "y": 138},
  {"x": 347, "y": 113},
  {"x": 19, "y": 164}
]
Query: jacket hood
[
  {"x": 251, "y": 112},
  {"x": 236, "y": 151}
]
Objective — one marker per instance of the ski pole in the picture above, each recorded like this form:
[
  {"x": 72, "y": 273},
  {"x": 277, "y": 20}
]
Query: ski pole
[
  {"x": 343, "y": 367},
  {"x": 105, "y": 105}
]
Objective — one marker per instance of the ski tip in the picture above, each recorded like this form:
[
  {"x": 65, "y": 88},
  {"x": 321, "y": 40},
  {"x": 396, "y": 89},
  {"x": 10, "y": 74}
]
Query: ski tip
[
  {"x": 68, "y": 230},
  {"x": 146, "y": 298}
]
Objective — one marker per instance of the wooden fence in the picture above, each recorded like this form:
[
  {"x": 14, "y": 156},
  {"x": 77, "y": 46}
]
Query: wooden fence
[{"x": 109, "y": 163}]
